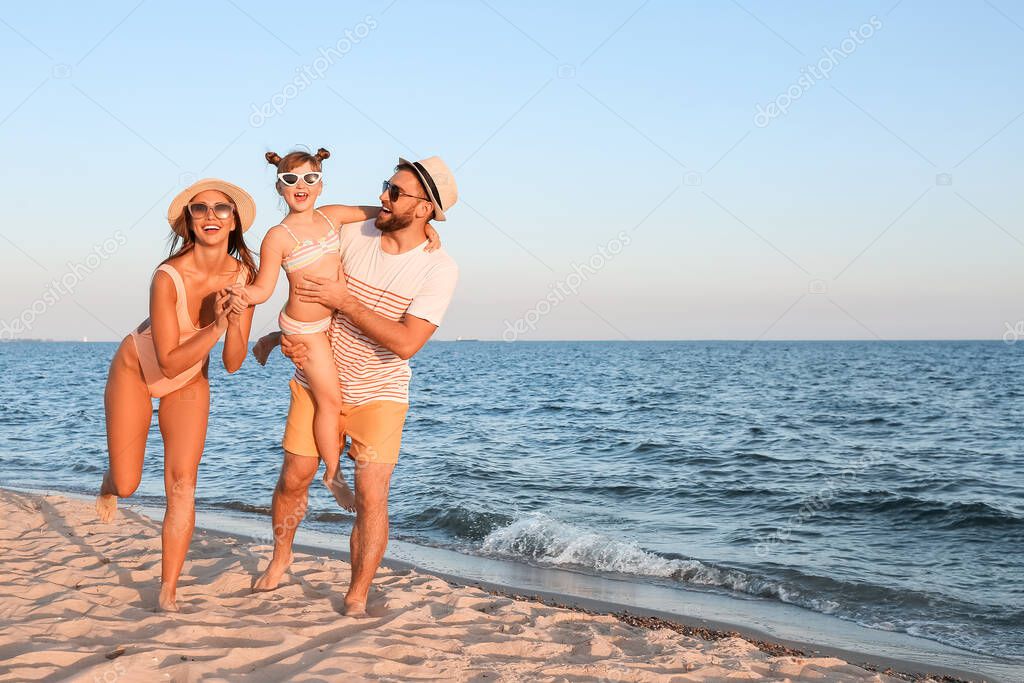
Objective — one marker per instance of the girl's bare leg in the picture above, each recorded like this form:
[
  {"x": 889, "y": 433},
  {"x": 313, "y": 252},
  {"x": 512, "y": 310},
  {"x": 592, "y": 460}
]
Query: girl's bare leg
[
  {"x": 129, "y": 411},
  {"x": 183, "y": 418},
  {"x": 322, "y": 377}
]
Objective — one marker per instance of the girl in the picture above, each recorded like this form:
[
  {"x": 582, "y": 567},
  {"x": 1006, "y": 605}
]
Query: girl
[
  {"x": 307, "y": 243},
  {"x": 167, "y": 357}
]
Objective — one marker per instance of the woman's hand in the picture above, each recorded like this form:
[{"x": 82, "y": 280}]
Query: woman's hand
[
  {"x": 221, "y": 309},
  {"x": 262, "y": 348},
  {"x": 296, "y": 351},
  {"x": 434, "y": 239}
]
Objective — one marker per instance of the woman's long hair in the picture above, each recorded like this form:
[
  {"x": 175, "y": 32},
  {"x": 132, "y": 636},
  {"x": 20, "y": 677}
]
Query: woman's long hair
[{"x": 184, "y": 240}]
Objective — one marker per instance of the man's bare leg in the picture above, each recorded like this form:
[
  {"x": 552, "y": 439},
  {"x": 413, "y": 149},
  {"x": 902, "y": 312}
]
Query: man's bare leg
[
  {"x": 369, "y": 536},
  {"x": 290, "y": 501}
]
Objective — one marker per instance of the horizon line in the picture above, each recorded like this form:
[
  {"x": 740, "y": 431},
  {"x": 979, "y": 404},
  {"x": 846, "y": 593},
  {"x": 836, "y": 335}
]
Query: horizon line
[{"x": 545, "y": 341}]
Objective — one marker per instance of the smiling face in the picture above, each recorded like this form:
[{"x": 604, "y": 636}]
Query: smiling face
[
  {"x": 408, "y": 208},
  {"x": 209, "y": 229},
  {"x": 303, "y": 196}
]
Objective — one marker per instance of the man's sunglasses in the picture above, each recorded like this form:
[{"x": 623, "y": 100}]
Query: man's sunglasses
[
  {"x": 394, "y": 192},
  {"x": 292, "y": 179},
  {"x": 221, "y": 210}
]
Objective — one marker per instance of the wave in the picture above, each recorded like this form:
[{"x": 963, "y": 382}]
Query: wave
[
  {"x": 243, "y": 507},
  {"x": 87, "y": 467},
  {"x": 15, "y": 414},
  {"x": 458, "y": 521},
  {"x": 947, "y": 515},
  {"x": 538, "y": 538},
  {"x": 541, "y": 540}
]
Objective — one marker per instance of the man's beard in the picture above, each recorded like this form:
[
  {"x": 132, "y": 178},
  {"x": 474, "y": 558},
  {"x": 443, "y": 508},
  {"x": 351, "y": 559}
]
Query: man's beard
[{"x": 393, "y": 222}]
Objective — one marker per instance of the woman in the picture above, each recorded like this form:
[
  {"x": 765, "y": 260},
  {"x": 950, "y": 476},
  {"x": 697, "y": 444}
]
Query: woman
[{"x": 167, "y": 357}]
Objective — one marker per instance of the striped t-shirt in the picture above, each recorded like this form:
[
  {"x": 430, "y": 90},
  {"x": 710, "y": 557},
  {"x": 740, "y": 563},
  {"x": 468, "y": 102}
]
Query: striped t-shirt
[{"x": 414, "y": 283}]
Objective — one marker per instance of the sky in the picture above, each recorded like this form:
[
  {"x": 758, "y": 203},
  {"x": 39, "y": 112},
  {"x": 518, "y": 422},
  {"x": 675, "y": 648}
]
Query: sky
[{"x": 630, "y": 170}]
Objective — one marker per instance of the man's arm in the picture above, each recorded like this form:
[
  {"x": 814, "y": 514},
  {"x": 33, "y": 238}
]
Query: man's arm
[{"x": 403, "y": 337}]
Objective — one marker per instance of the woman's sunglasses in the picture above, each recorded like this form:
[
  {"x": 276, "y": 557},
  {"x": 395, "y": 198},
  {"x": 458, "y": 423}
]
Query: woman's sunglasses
[
  {"x": 221, "y": 210},
  {"x": 292, "y": 179},
  {"x": 394, "y": 192}
]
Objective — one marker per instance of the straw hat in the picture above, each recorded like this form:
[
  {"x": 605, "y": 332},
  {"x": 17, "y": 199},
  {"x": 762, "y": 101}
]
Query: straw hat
[
  {"x": 244, "y": 204},
  {"x": 438, "y": 181}
]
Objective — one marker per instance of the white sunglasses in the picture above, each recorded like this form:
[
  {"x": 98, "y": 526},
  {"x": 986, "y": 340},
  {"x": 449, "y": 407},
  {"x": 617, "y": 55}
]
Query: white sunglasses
[{"x": 292, "y": 179}]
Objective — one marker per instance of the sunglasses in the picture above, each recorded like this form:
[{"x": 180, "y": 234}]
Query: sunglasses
[
  {"x": 221, "y": 210},
  {"x": 394, "y": 192},
  {"x": 292, "y": 179}
]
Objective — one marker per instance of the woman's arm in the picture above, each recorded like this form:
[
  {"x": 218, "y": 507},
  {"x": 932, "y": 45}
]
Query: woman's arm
[
  {"x": 173, "y": 358},
  {"x": 271, "y": 255},
  {"x": 236, "y": 341},
  {"x": 340, "y": 214}
]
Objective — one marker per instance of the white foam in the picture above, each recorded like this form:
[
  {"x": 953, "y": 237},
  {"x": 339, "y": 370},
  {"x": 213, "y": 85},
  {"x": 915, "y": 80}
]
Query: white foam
[{"x": 540, "y": 538}]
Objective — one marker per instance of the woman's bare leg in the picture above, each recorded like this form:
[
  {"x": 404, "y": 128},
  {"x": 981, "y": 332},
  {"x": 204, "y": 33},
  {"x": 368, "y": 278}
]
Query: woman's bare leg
[
  {"x": 322, "y": 377},
  {"x": 129, "y": 411},
  {"x": 183, "y": 418}
]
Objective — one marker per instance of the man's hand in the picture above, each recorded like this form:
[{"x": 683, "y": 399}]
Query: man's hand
[
  {"x": 333, "y": 294},
  {"x": 296, "y": 351}
]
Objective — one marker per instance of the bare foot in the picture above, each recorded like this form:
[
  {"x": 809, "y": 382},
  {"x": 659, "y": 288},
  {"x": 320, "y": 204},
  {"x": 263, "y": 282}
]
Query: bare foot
[
  {"x": 272, "y": 576},
  {"x": 106, "y": 506},
  {"x": 339, "y": 489},
  {"x": 168, "y": 601},
  {"x": 356, "y": 610}
]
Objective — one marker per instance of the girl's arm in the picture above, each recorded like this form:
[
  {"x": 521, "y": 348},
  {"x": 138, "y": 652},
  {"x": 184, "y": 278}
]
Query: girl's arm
[
  {"x": 271, "y": 255},
  {"x": 434, "y": 239},
  {"x": 236, "y": 341},
  {"x": 340, "y": 214},
  {"x": 173, "y": 358}
]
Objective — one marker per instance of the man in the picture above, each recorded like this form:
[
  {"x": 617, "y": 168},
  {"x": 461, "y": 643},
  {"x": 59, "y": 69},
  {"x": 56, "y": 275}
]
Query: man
[{"x": 393, "y": 297}]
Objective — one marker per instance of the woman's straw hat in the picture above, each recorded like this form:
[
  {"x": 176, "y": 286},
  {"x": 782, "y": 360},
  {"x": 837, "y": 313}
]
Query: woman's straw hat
[{"x": 244, "y": 204}]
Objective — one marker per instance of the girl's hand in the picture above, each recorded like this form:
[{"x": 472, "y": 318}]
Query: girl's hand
[
  {"x": 434, "y": 239},
  {"x": 239, "y": 299}
]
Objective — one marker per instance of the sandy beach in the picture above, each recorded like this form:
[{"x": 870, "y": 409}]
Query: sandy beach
[{"x": 77, "y": 600}]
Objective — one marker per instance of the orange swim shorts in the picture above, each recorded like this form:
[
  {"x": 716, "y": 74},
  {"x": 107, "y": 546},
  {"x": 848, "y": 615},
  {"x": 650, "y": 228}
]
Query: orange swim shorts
[{"x": 375, "y": 428}]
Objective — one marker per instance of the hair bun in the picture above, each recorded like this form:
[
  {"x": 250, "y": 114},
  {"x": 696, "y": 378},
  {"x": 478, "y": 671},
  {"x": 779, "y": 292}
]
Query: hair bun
[
  {"x": 273, "y": 158},
  {"x": 322, "y": 154}
]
